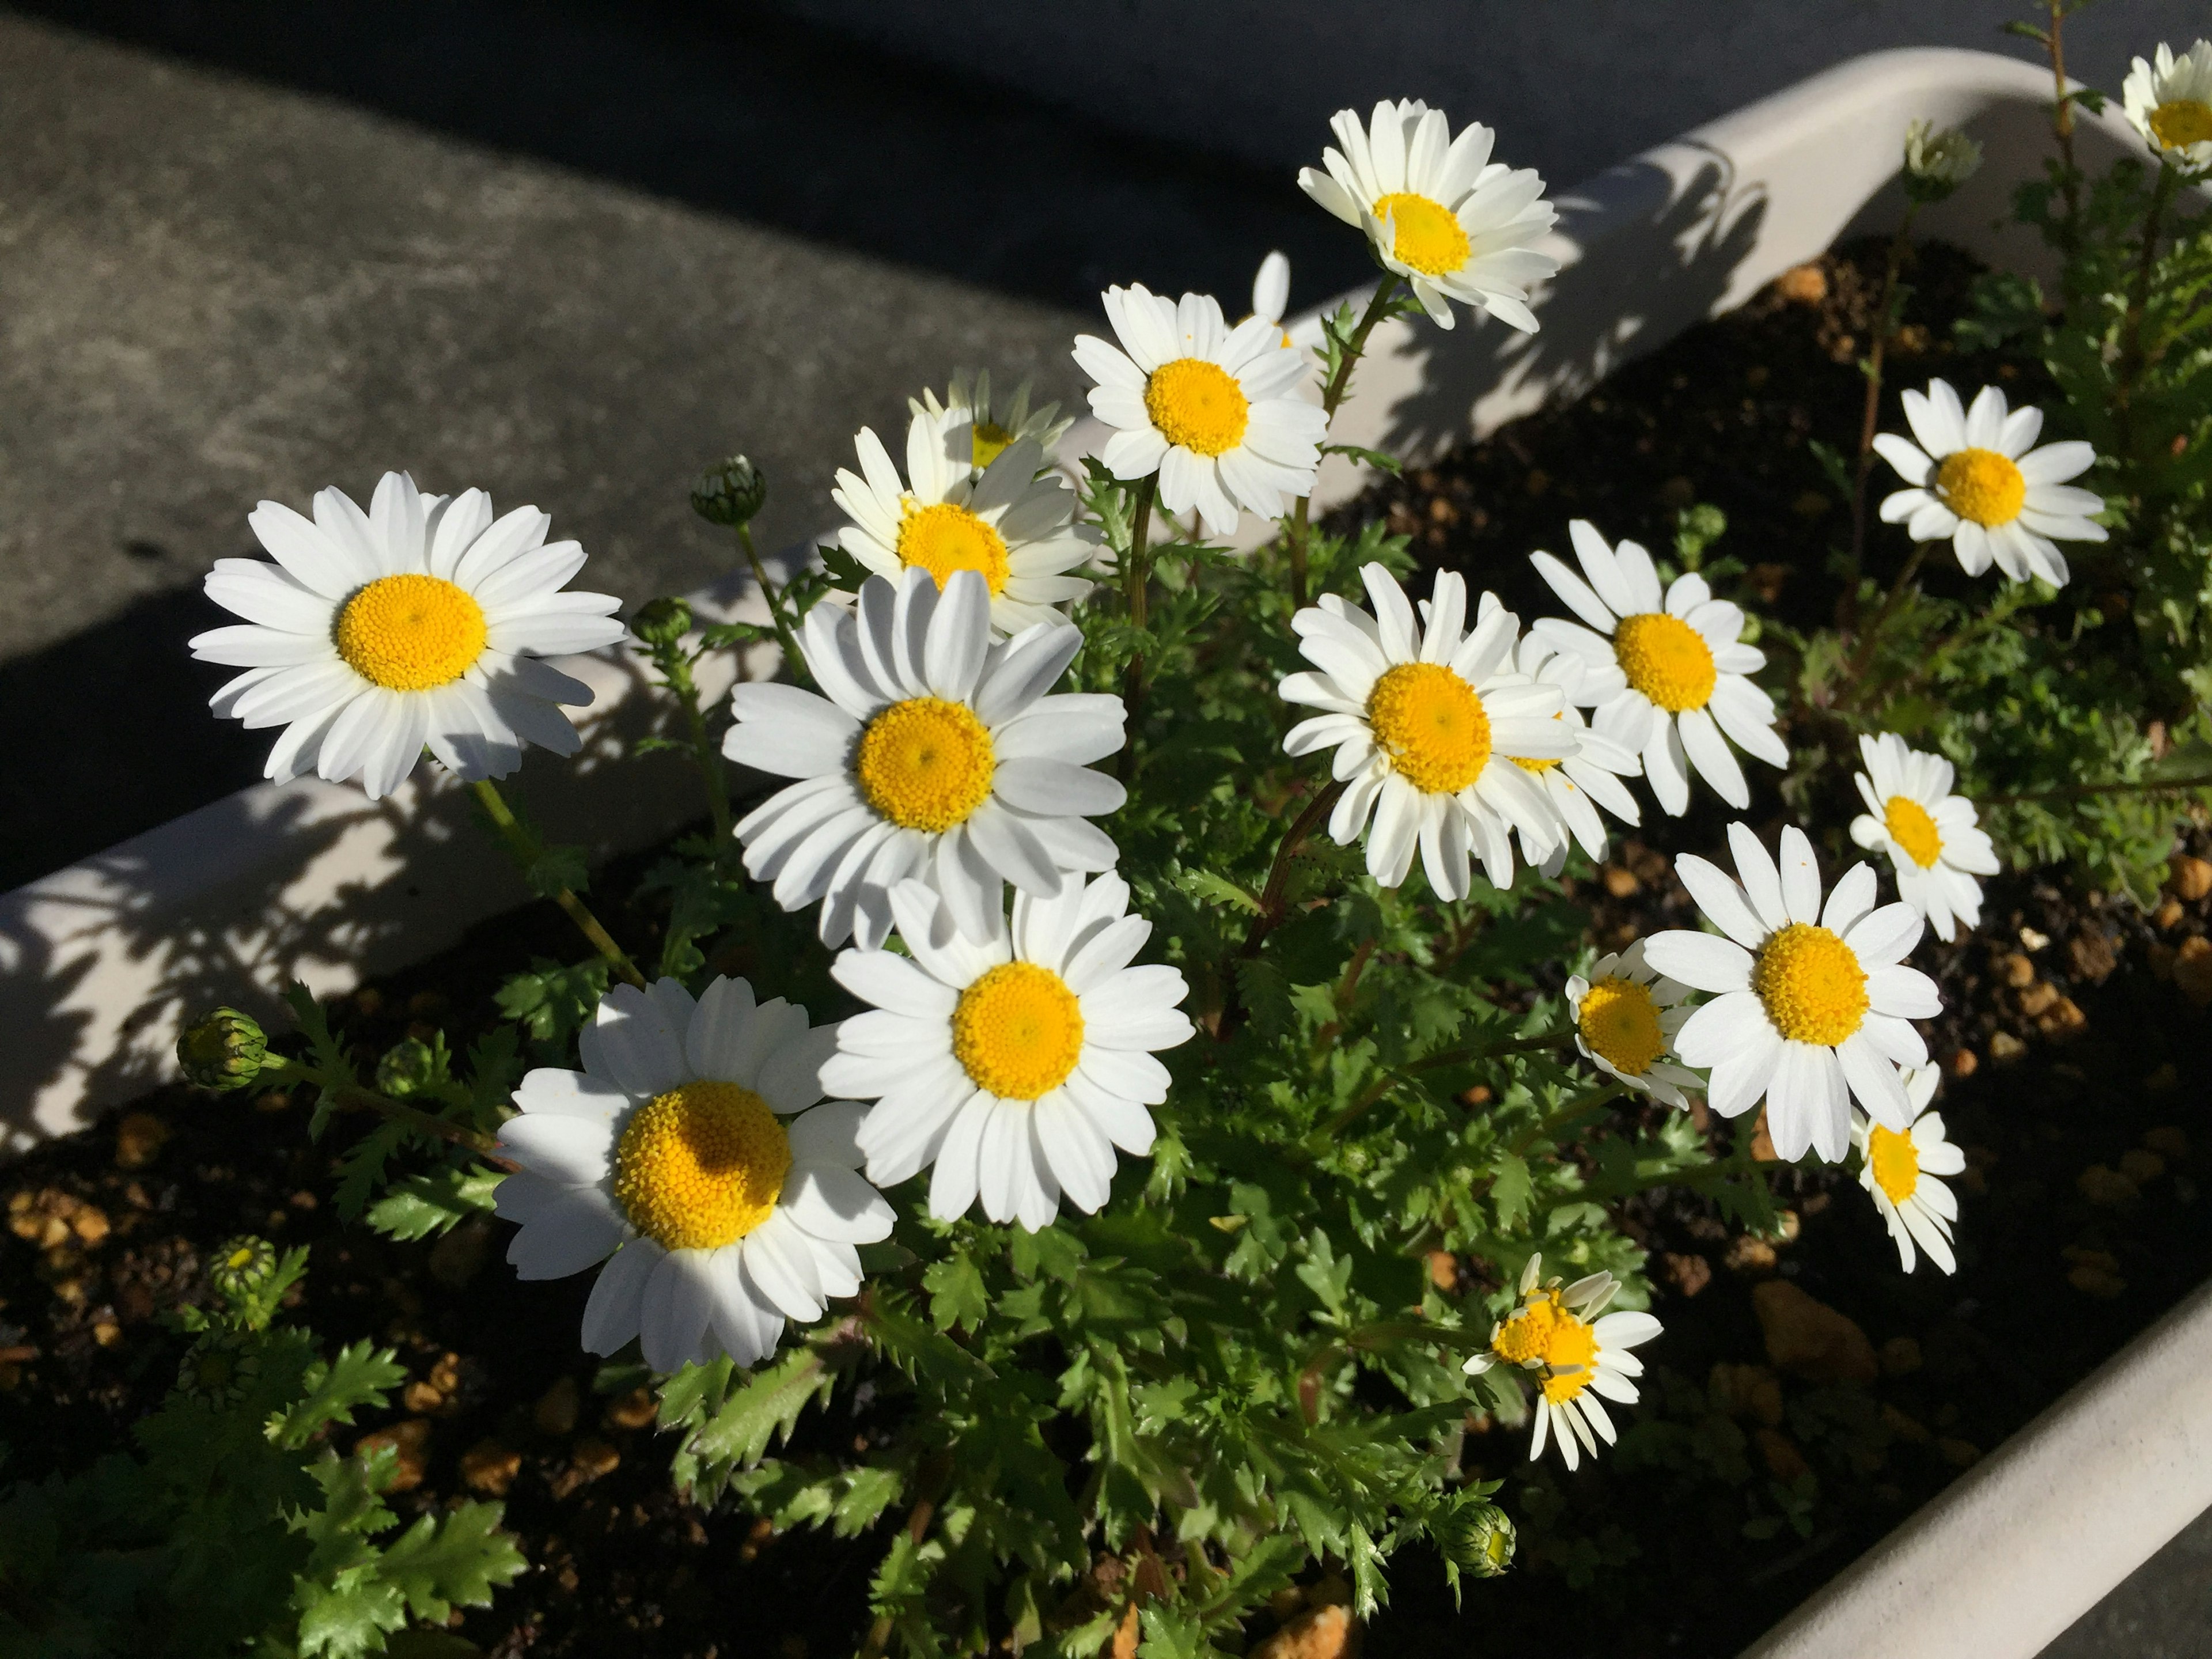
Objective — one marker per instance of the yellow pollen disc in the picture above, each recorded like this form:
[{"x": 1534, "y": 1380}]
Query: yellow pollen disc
[
  {"x": 410, "y": 633},
  {"x": 987, "y": 441},
  {"x": 1019, "y": 1030},
  {"x": 1911, "y": 828},
  {"x": 1981, "y": 485},
  {"x": 701, "y": 1166},
  {"x": 1432, "y": 725},
  {"x": 1198, "y": 404},
  {"x": 925, "y": 763},
  {"x": 1527, "y": 1331},
  {"x": 1895, "y": 1162},
  {"x": 1620, "y": 1023},
  {"x": 1667, "y": 659},
  {"x": 1811, "y": 985},
  {"x": 942, "y": 538},
  {"x": 1425, "y": 235},
  {"x": 1572, "y": 1344},
  {"x": 2180, "y": 122}
]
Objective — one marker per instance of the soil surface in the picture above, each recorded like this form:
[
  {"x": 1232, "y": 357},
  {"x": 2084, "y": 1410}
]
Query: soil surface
[{"x": 1805, "y": 1398}]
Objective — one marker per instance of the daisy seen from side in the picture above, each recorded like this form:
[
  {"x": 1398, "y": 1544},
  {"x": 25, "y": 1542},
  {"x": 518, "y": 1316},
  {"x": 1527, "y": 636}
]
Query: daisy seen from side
[
  {"x": 1578, "y": 1353},
  {"x": 694, "y": 1156},
  {"x": 975, "y": 427},
  {"x": 1627, "y": 1015},
  {"x": 1935, "y": 845},
  {"x": 1899, "y": 1171},
  {"x": 2168, "y": 99},
  {"x": 420, "y": 623}
]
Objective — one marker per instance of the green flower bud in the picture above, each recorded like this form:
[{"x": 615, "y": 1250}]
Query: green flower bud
[
  {"x": 407, "y": 1067},
  {"x": 661, "y": 622},
  {"x": 730, "y": 492},
  {"x": 219, "y": 1369},
  {"x": 242, "y": 1265},
  {"x": 1479, "y": 1539},
  {"x": 224, "y": 1051},
  {"x": 1937, "y": 162}
]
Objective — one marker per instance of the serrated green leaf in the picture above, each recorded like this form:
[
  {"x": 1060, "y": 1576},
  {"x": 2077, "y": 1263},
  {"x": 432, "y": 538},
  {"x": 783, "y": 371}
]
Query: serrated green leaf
[
  {"x": 454, "y": 1559},
  {"x": 957, "y": 1295},
  {"x": 360, "y": 1376},
  {"x": 419, "y": 1206}
]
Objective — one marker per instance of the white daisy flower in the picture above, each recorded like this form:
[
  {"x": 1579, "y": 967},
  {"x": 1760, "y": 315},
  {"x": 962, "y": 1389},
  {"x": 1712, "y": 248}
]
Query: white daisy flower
[
  {"x": 2169, "y": 100},
  {"x": 1933, "y": 844},
  {"x": 691, "y": 1151},
  {"x": 973, "y": 428},
  {"x": 1439, "y": 212},
  {"x": 1578, "y": 1353},
  {"x": 930, "y": 752},
  {"x": 1217, "y": 413},
  {"x": 1626, "y": 1017},
  {"x": 1899, "y": 1171},
  {"x": 1667, "y": 674},
  {"x": 1011, "y": 526},
  {"x": 1427, "y": 722},
  {"x": 419, "y": 621},
  {"x": 1591, "y": 774},
  {"x": 1815, "y": 1006},
  {"x": 1013, "y": 1067},
  {"x": 1977, "y": 478}
]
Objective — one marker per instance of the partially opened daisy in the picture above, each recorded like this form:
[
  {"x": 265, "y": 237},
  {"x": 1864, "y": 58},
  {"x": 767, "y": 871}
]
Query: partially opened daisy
[
  {"x": 1011, "y": 1069},
  {"x": 1976, "y": 479},
  {"x": 1427, "y": 722},
  {"x": 418, "y": 623},
  {"x": 1899, "y": 1171},
  {"x": 691, "y": 1157},
  {"x": 974, "y": 427},
  {"x": 1667, "y": 673},
  {"x": 1934, "y": 843},
  {"x": 1218, "y": 413},
  {"x": 933, "y": 754},
  {"x": 2169, "y": 100},
  {"x": 1578, "y": 1353},
  {"x": 1439, "y": 212},
  {"x": 1590, "y": 777},
  {"x": 1010, "y": 526},
  {"x": 1626, "y": 1017},
  {"x": 1815, "y": 1006}
]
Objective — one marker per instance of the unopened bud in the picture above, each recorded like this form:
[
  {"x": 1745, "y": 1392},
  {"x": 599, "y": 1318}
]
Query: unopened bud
[
  {"x": 730, "y": 492},
  {"x": 224, "y": 1051},
  {"x": 242, "y": 1265},
  {"x": 1479, "y": 1539},
  {"x": 661, "y": 622},
  {"x": 1937, "y": 161},
  {"x": 407, "y": 1066}
]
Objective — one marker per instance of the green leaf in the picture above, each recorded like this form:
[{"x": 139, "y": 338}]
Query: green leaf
[
  {"x": 454, "y": 1559},
  {"x": 1221, "y": 891},
  {"x": 421, "y": 1204},
  {"x": 764, "y": 1407},
  {"x": 360, "y": 1376},
  {"x": 956, "y": 1296},
  {"x": 556, "y": 870},
  {"x": 1511, "y": 1190}
]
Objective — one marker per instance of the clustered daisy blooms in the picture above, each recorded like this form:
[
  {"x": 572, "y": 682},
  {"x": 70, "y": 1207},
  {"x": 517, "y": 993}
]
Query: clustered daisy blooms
[
  {"x": 1899, "y": 1170},
  {"x": 1668, "y": 674},
  {"x": 1590, "y": 777},
  {"x": 973, "y": 427},
  {"x": 1976, "y": 478},
  {"x": 1013, "y": 1067},
  {"x": 1934, "y": 843},
  {"x": 930, "y": 752},
  {"x": 1438, "y": 210},
  {"x": 2169, "y": 101},
  {"x": 1814, "y": 1005},
  {"x": 1578, "y": 1352},
  {"x": 1218, "y": 414},
  {"x": 418, "y": 623},
  {"x": 694, "y": 1157},
  {"x": 1427, "y": 720},
  {"x": 1626, "y": 1018}
]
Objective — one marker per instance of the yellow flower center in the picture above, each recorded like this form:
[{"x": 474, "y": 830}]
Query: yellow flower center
[
  {"x": 2180, "y": 122},
  {"x": 925, "y": 763},
  {"x": 1572, "y": 1345},
  {"x": 1667, "y": 659},
  {"x": 987, "y": 441},
  {"x": 1982, "y": 485},
  {"x": 1620, "y": 1023},
  {"x": 1911, "y": 828},
  {"x": 1811, "y": 985},
  {"x": 1536, "y": 766},
  {"x": 1198, "y": 404},
  {"x": 410, "y": 633},
  {"x": 239, "y": 1257},
  {"x": 942, "y": 539},
  {"x": 1019, "y": 1030},
  {"x": 1425, "y": 235},
  {"x": 1431, "y": 723},
  {"x": 1524, "y": 1335},
  {"x": 701, "y": 1166},
  {"x": 1894, "y": 1161}
]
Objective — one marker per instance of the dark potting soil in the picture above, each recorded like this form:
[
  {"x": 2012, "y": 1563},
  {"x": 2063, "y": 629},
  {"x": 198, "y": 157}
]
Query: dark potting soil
[{"x": 1768, "y": 1452}]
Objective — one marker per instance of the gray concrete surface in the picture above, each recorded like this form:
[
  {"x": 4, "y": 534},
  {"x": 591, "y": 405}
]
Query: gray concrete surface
[{"x": 2162, "y": 1611}]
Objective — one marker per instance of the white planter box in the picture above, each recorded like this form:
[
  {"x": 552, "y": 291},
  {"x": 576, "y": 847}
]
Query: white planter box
[{"x": 313, "y": 882}]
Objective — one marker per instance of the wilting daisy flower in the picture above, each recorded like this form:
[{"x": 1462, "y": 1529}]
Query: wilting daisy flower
[
  {"x": 1814, "y": 1005},
  {"x": 419, "y": 621},
  {"x": 1216, "y": 411},
  {"x": 934, "y": 754},
  {"x": 1427, "y": 722},
  {"x": 1976, "y": 478},
  {"x": 1900, "y": 1170},
  {"x": 1578, "y": 1353},
  {"x": 1011, "y": 526},
  {"x": 1626, "y": 1017},
  {"x": 1440, "y": 213},
  {"x": 2170, "y": 102},
  {"x": 971, "y": 427},
  {"x": 1930, "y": 833},
  {"x": 691, "y": 1150},
  {"x": 1667, "y": 674},
  {"x": 1013, "y": 1067},
  {"x": 1592, "y": 773}
]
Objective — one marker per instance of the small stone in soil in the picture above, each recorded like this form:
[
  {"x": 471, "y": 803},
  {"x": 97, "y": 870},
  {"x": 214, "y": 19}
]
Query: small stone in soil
[
  {"x": 2167, "y": 1138},
  {"x": 489, "y": 1467},
  {"x": 1810, "y": 1339},
  {"x": 2190, "y": 878},
  {"x": 2102, "y": 1184},
  {"x": 555, "y": 1414},
  {"x": 1900, "y": 1356},
  {"x": 139, "y": 1139},
  {"x": 635, "y": 1410}
]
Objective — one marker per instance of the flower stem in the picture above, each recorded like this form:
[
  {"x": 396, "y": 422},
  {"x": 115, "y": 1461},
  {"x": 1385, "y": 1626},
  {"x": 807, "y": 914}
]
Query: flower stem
[
  {"x": 1884, "y": 326},
  {"x": 1864, "y": 658},
  {"x": 1339, "y": 383},
  {"x": 1136, "y": 584},
  {"x": 524, "y": 848},
  {"x": 1278, "y": 874},
  {"x": 350, "y": 1094},
  {"x": 2061, "y": 129},
  {"x": 794, "y": 664},
  {"x": 2083, "y": 791},
  {"x": 2131, "y": 365},
  {"x": 675, "y": 666}
]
